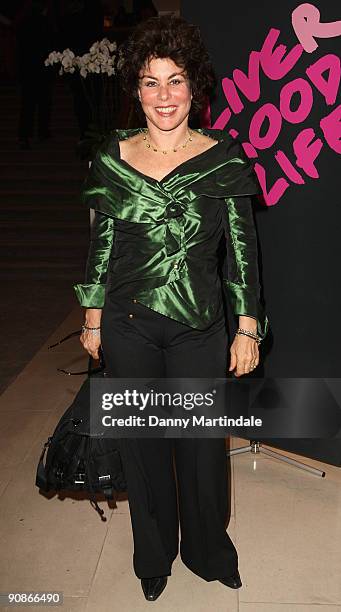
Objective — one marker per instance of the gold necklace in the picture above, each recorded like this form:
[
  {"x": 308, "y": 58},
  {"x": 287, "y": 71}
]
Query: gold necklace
[{"x": 165, "y": 151}]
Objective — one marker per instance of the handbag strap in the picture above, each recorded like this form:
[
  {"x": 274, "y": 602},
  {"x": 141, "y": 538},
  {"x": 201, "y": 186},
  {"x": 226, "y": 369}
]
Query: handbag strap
[
  {"x": 92, "y": 370},
  {"x": 90, "y": 362}
]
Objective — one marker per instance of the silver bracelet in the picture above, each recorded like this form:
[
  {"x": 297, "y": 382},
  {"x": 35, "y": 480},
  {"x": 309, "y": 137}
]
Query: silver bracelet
[
  {"x": 94, "y": 330},
  {"x": 247, "y": 332}
]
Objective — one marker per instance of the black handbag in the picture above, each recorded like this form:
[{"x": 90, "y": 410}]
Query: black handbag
[{"x": 77, "y": 460}]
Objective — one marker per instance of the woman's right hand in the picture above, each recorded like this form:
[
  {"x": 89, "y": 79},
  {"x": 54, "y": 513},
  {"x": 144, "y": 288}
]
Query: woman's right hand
[{"x": 92, "y": 341}]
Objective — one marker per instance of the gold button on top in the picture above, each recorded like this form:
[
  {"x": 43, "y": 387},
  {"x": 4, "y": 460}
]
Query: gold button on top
[{"x": 130, "y": 316}]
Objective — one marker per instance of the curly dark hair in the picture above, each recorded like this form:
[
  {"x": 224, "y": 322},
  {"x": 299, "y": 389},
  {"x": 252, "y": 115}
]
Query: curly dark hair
[{"x": 168, "y": 36}]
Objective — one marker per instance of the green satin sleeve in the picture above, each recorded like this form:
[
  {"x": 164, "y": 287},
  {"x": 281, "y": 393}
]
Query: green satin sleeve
[
  {"x": 91, "y": 294},
  {"x": 242, "y": 276}
]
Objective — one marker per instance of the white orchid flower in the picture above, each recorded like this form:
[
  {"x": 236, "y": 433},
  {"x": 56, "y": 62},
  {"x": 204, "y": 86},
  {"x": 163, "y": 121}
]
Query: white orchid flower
[{"x": 98, "y": 60}]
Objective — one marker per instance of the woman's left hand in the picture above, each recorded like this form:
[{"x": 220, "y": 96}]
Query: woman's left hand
[{"x": 244, "y": 354}]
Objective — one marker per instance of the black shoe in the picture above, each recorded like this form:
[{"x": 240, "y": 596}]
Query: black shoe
[
  {"x": 153, "y": 587},
  {"x": 233, "y": 581}
]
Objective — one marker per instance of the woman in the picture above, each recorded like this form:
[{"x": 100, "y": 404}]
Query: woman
[{"x": 165, "y": 198}]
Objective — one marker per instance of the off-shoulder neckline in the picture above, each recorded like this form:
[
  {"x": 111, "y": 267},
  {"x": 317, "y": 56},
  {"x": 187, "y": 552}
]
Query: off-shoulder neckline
[{"x": 130, "y": 132}]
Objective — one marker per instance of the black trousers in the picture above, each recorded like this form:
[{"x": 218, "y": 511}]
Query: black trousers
[
  {"x": 36, "y": 96},
  {"x": 196, "y": 493}
]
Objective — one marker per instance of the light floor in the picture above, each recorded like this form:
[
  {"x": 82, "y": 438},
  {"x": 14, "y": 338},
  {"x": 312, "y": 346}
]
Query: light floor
[{"x": 286, "y": 524}]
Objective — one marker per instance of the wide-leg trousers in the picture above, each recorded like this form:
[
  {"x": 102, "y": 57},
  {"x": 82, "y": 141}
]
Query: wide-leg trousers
[{"x": 140, "y": 342}]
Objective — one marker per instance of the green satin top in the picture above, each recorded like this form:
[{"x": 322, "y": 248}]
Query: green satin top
[{"x": 159, "y": 241}]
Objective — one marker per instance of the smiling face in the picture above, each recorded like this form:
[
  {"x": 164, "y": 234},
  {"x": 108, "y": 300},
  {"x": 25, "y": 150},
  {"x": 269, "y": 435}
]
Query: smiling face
[{"x": 165, "y": 93}]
